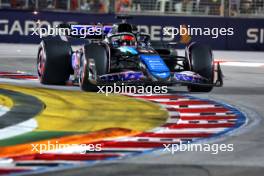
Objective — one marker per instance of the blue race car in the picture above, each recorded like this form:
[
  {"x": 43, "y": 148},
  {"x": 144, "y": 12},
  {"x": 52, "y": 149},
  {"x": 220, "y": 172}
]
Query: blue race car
[{"x": 122, "y": 55}]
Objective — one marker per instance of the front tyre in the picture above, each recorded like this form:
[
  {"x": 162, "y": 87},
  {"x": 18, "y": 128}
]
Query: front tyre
[
  {"x": 88, "y": 75},
  {"x": 202, "y": 63},
  {"x": 94, "y": 63}
]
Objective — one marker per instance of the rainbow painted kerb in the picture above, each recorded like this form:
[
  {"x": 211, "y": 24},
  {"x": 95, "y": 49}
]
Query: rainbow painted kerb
[{"x": 190, "y": 119}]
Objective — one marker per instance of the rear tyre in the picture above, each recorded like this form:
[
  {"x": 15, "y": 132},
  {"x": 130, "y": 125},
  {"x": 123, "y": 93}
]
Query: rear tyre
[
  {"x": 54, "y": 62},
  {"x": 202, "y": 63},
  {"x": 94, "y": 63}
]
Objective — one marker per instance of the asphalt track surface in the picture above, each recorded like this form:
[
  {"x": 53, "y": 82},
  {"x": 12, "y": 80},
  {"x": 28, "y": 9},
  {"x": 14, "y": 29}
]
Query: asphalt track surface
[
  {"x": 25, "y": 107},
  {"x": 243, "y": 88}
]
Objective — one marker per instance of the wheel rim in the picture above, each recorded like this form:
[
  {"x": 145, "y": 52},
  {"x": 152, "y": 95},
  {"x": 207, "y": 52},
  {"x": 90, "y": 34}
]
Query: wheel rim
[
  {"x": 82, "y": 72},
  {"x": 41, "y": 63}
]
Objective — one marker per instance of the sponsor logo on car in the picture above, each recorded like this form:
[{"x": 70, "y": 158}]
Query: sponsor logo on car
[
  {"x": 189, "y": 77},
  {"x": 123, "y": 76}
]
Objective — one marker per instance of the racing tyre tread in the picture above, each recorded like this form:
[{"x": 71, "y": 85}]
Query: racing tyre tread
[
  {"x": 57, "y": 63},
  {"x": 202, "y": 63},
  {"x": 99, "y": 55}
]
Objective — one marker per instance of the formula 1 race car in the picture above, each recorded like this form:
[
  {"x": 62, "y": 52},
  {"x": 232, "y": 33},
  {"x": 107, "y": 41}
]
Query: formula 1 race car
[{"x": 120, "y": 54}]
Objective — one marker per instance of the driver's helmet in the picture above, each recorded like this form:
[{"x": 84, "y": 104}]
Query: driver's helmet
[{"x": 127, "y": 40}]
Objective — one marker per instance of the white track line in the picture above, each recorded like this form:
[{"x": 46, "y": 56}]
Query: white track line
[
  {"x": 203, "y": 121},
  {"x": 190, "y": 106},
  {"x": 242, "y": 64},
  {"x": 174, "y": 120},
  {"x": 167, "y": 100},
  {"x": 132, "y": 149},
  {"x": 18, "y": 129},
  {"x": 3, "y": 110},
  {"x": 147, "y": 139},
  {"x": 187, "y": 130},
  {"x": 198, "y": 114}
]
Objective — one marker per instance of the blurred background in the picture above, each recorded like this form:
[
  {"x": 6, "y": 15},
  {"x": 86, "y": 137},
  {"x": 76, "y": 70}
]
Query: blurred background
[
  {"x": 248, "y": 8},
  {"x": 245, "y": 16}
]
